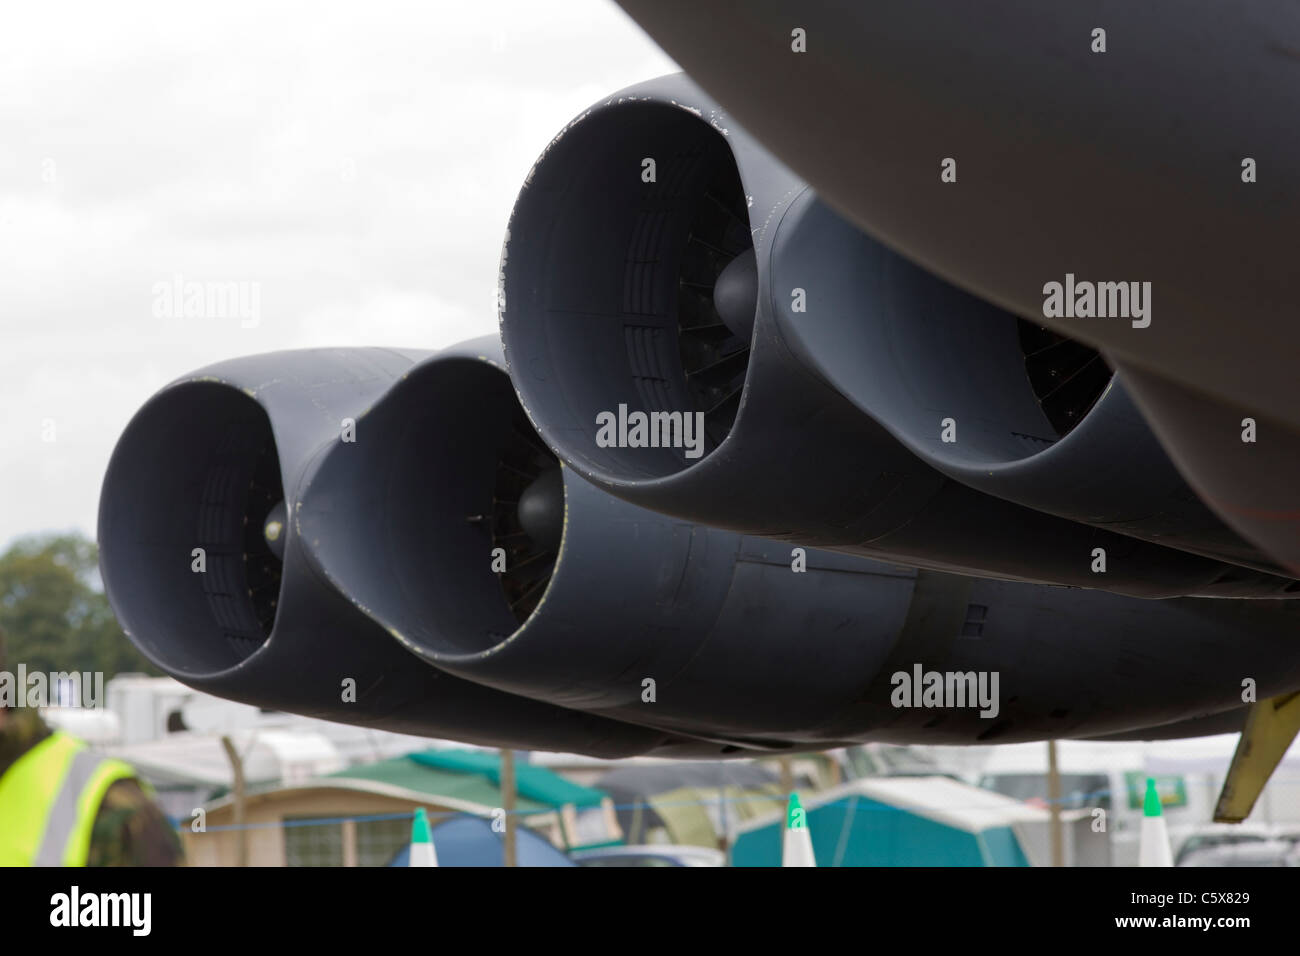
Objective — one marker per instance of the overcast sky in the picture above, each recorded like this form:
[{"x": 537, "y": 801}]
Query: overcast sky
[{"x": 357, "y": 161}]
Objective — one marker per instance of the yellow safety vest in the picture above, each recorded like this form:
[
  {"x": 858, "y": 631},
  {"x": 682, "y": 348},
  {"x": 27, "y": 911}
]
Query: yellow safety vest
[{"x": 48, "y": 801}]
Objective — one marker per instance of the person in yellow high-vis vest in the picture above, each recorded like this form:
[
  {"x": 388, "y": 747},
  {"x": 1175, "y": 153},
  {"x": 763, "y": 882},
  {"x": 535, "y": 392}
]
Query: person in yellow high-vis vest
[{"x": 61, "y": 804}]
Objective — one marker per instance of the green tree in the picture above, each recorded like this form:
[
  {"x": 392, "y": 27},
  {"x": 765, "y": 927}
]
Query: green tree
[{"x": 53, "y": 612}]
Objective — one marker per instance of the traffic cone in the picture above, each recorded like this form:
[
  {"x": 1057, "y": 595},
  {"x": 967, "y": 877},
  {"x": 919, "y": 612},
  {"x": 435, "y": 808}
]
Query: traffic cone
[
  {"x": 796, "y": 846},
  {"x": 1153, "y": 847},
  {"x": 422, "y": 851}
]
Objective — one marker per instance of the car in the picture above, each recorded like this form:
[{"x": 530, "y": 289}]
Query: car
[
  {"x": 1247, "y": 853},
  {"x": 1215, "y": 836}
]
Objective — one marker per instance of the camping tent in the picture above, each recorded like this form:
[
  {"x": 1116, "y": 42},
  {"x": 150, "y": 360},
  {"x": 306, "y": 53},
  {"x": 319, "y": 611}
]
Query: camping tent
[
  {"x": 470, "y": 841},
  {"x": 901, "y": 821},
  {"x": 693, "y": 802}
]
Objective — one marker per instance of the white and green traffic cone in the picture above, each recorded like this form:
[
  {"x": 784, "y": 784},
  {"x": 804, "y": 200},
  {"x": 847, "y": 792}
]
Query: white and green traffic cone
[
  {"x": 422, "y": 851},
  {"x": 1153, "y": 847},
  {"x": 796, "y": 846}
]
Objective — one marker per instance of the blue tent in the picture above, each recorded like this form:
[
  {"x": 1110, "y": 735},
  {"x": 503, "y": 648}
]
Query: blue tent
[
  {"x": 900, "y": 821},
  {"x": 466, "y": 840}
]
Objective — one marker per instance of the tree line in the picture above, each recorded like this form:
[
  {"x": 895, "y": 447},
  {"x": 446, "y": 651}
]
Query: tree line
[{"x": 54, "y": 615}]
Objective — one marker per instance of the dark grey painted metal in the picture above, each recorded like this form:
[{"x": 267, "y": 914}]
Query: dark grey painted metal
[
  {"x": 152, "y": 505},
  {"x": 738, "y": 644},
  {"x": 742, "y": 649},
  {"x": 1084, "y": 663},
  {"x": 1123, "y": 165},
  {"x": 1254, "y": 485},
  {"x": 1225, "y": 722},
  {"x": 589, "y": 323},
  {"x": 1117, "y": 166},
  {"x": 911, "y": 350}
]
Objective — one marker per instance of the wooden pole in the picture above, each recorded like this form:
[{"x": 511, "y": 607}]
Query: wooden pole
[
  {"x": 724, "y": 821},
  {"x": 787, "y": 787},
  {"x": 241, "y": 835},
  {"x": 833, "y": 769},
  {"x": 1054, "y": 805},
  {"x": 508, "y": 802},
  {"x": 349, "y": 830},
  {"x": 787, "y": 774}
]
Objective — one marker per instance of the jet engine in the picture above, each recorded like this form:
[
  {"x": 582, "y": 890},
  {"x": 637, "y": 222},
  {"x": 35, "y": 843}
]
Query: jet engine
[
  {"x": 203, "y": 562},
  {"x": 691, "y": 329}
]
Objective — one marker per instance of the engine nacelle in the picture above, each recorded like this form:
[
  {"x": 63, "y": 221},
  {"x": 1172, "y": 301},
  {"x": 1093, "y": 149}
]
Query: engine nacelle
[
  {"x": 204, "y": 564},
  {"x": 462, "y": 537},
  {"x": 668, "y": 291},
  {"x": 1000, "y": 404}
]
